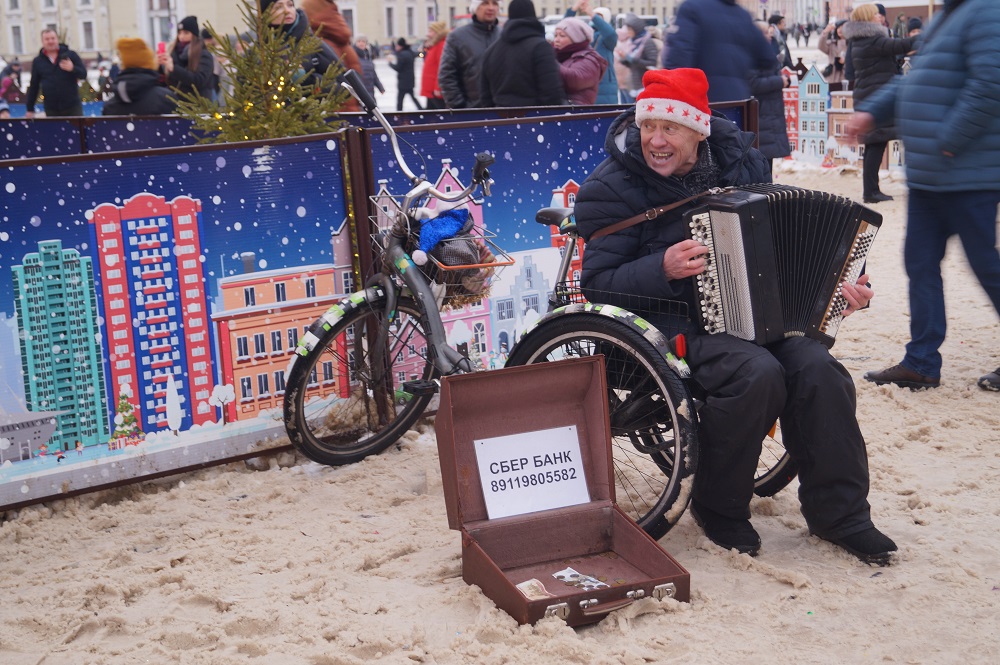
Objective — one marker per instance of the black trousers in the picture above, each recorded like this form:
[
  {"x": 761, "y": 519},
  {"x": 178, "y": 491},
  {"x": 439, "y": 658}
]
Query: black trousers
[
  {"x": 870, "y": 165},
  {"x": 747, "y": 387},
  {"x": 401, "y": 94}
]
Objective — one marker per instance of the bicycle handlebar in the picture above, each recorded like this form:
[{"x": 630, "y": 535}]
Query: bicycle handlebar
[{"x": 352, "y": 82}]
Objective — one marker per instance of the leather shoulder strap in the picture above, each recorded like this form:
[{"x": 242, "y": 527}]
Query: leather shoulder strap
[{"x": 649, "y": 215}]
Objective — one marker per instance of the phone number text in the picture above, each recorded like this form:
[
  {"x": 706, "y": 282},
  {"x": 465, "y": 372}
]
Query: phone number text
[{"x": 532, "y": 480}]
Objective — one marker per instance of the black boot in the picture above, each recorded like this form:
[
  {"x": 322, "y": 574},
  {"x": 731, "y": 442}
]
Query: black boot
[
  {"x": 871, "y": 546},
  {"x": 726, "y": 532}
]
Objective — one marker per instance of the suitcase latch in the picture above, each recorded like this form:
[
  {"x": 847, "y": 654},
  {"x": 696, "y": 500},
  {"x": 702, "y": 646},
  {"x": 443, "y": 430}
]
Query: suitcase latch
[
  {"x": 636, "y": 594},
  {"x": 587, "y": 603},
  {"x": 662, "y": 591},
  {"x": 560, "y": 610}
]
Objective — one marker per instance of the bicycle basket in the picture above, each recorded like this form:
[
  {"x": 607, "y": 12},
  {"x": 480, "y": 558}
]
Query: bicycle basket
[
  {"x": 669, "y": 316},
  {"x": 464, "y": 265}
]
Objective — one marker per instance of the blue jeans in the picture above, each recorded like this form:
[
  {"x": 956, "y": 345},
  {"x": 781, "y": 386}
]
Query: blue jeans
[{"x": 933, "y": 217}]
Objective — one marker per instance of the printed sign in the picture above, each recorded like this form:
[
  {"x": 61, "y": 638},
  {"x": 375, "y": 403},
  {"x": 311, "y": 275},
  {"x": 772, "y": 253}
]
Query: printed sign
[{"x": 532, "y": 471}]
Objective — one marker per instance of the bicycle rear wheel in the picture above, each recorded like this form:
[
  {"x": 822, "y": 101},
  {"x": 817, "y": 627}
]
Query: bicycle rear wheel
[
  {"x": 655, "y": 450},
  {"x": 775, "y": 468},
  {"x": 343, "y": 400}
]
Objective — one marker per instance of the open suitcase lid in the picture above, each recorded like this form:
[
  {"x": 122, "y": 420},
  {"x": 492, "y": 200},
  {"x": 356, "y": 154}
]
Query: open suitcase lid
[{"x": 538, "y": 412}]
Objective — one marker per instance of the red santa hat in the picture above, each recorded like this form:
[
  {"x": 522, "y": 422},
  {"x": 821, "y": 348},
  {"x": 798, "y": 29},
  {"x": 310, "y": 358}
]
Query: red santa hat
[{"x": 678, "y": 95}]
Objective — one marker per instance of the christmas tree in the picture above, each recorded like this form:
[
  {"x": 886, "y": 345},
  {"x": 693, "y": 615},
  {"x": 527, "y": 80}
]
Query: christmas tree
[
  {"x": 272, "y": 93},
  {"x": 126, "y": 424}
]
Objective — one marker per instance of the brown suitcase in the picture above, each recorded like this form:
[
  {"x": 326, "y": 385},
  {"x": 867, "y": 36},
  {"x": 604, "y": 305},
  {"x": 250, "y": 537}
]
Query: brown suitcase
[{"x": 603, "y": 559}]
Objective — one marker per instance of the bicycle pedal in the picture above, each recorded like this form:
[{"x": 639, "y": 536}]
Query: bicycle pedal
[{"x": 420, "y": 387}]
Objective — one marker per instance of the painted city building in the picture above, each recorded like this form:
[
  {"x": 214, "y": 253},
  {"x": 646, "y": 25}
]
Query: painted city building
[{"x": 55, "y": 302}]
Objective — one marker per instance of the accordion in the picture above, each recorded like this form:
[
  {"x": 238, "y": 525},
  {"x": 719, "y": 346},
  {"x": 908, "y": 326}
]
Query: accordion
[{"x": 777, "y": 258}]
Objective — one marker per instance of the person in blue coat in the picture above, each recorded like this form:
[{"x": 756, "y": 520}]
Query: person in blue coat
[
  {"x": 604, "y": 42},
  {"x": 945, "y": 110},
  {"x": 666, "y": 149},
  {"x": 719, "y": 38}
]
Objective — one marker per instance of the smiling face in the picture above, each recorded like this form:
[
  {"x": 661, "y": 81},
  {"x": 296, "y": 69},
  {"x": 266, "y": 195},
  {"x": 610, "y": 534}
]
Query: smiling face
[{"x": 669, "y": 148}]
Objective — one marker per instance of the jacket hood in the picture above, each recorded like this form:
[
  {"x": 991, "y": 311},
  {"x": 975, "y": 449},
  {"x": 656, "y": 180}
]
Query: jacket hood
[
  {"x": 863, "y": 29},
  {"x": 519, "y": 29},
  {"x": 135, "y": 82},
  {"x": 729, "y": 144}
]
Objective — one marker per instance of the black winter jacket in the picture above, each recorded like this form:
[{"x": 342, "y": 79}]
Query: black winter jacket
[
  {"x": 138, "y": 91},
  {"x": 461, "y": 62},
  {"x": 60, "y": 89},
  {"x": 631, "y": 260},
  {"x": 520, "y": 68},
  {"x": 873, "y": 58},
  {"x": 201, "y": 78},
  {"x": 767, "y": 86},
  {"x": 404, "y": 69}
]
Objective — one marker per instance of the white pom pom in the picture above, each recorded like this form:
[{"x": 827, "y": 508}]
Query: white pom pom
[
  {"x": 420, "y": 257},
  {"x": 423, "y": 213}
]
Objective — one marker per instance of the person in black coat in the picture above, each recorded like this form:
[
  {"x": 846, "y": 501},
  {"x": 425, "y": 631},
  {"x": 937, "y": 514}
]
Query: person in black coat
[
  {"x": 56, "y": 72},
  {"x": 405, "y": 79},
  {"x": 187, "y": 64},
  {"x": 368, "y": 74},
  {"x": 667, "y": 149},
  {"x": 873, "y": 58},
  {"x": 137, "y": 89},
  {"x": 768, "y": 85},
  {"x": 520, "y": 68}
]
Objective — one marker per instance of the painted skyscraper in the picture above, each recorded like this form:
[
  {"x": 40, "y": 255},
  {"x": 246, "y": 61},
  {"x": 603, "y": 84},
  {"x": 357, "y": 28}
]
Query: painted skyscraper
[
  {"x": 61, "y": 358},
  {"x": 155, "y": 308}
]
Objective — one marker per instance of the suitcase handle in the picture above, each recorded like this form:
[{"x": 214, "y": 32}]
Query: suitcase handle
[{"x": 604, "y": 608}]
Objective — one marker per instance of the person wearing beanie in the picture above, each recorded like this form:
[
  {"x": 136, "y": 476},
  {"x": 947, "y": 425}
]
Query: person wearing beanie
[
  {"x": 779, "y": 40},
  {"x": 604, "y": 41},
  {"x": 580, "y": 66},
  {"x": 187, "y": 64},
  {"x": 4, "y": 110},
  {"x": 405, "y": 79},
  {"x": 945, "y": 111},
  {"x": 719, "y": 38},
  {"x": 873, "y": 56},
  {"x": 329, "y": 24},
  {"x": 138, "y": 90},
  {"x": 914, "y": 27},
  {"x": 437, "y": 32},
  {"x": 461, "y": 61},
  {"x": 642, "y": 53},
  {"x": 667, "y": 148},
  {"x": 520, "y": 69}
]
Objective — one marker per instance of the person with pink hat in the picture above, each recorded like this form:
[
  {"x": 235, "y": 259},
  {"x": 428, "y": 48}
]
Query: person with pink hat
[
  {"x": 668, "y": 148},
  {"x": 581, "y": 67}
]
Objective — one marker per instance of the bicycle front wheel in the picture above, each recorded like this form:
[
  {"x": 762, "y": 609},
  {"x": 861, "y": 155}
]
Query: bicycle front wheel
[
  {"x": 654, "y": 449},
  {"x": 345, "y": 399}
]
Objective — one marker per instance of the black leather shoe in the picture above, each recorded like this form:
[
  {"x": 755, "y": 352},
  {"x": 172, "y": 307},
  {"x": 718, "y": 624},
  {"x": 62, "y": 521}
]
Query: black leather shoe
[
  {"x": 902, "y": 377},
  {"x": 871, "y": 546},
  {"x": 990, "y": 381},
  {"x": 877, "y": 197},
  {"x": 726, "y": 532}
]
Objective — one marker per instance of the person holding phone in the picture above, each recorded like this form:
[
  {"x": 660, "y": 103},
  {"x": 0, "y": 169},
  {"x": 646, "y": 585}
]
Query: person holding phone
[
  {"x": 187, "y": 63},
  {"x": 56, "y": 72}
]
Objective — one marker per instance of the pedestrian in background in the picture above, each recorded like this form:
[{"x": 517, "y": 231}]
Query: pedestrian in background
[
  {"x": 768, "y": 85},
  {"x": 187, "y": 64},
  {"x": 835, "y": 47},
  {"x": 368, "y": 74},
  {"x": 779, "y": 40},
  {"x": 405, "y": 78},
  {"x": 945, "y": 109},
  {"x": 437, "y": 32},
  {"x": 55, "y": 73},
  {"x": 604, "y": 42},
  {"x": 719, "y": 38},
  {"x": 873, "y": 53},
  {"x": 520, "y": 69},
  {"x": 461, "y": 62},
  {"x": 138, "y": 89},
  {"x": 642, "y": 54},
  {"x": 581, "y": 68}
]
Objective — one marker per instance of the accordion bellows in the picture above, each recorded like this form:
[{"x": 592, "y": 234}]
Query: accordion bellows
[{"x": 778, "y": 256}]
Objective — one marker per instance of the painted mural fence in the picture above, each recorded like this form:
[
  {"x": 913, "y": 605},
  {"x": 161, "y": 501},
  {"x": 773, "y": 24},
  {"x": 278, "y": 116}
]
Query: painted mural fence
[{"x": 152, "y": 301}]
